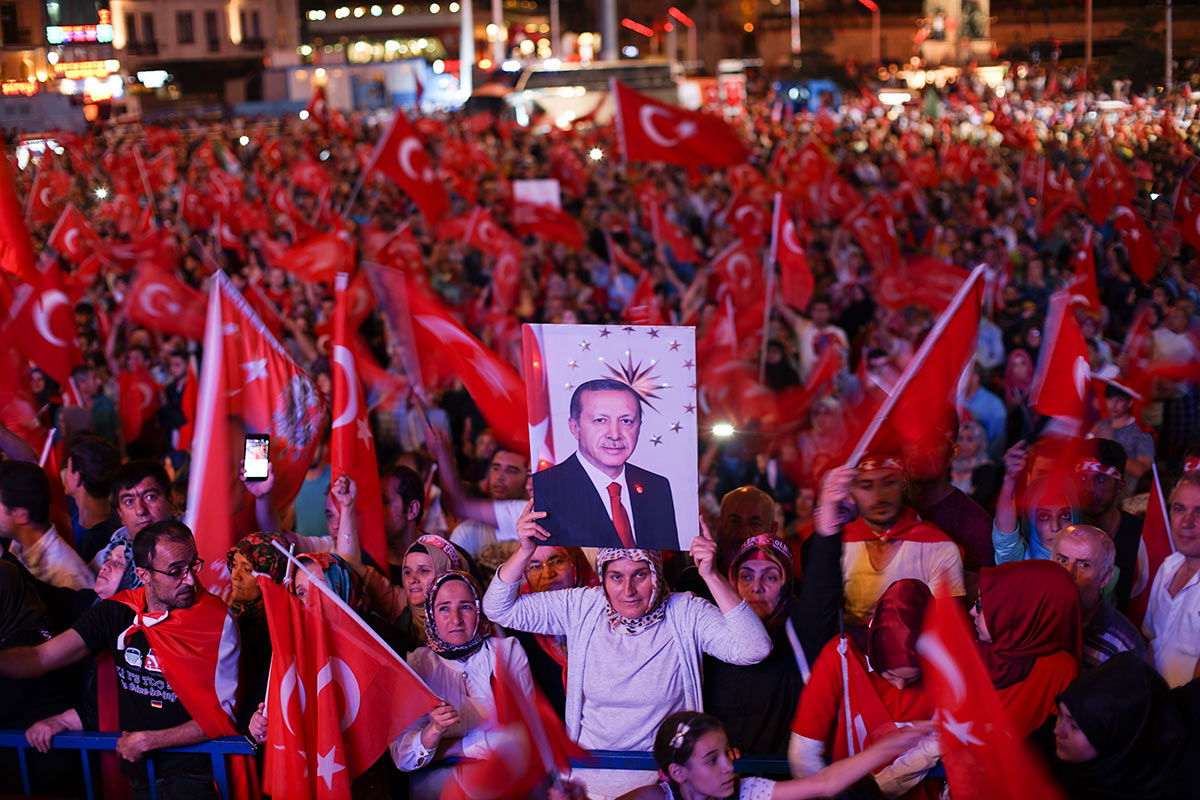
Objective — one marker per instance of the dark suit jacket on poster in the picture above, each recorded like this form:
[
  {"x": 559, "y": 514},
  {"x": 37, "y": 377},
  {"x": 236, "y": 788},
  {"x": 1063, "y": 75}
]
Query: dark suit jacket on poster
[{"x": 577, "y": 517}]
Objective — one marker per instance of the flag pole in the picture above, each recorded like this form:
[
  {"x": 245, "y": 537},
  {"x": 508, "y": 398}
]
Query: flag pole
[
  {"x": 1162, "y": 504},
  {"x": 915, "y": 365},
  {"x": 362, "y": 176},
  {"x": 46, "y": 447},
  {"x": 772, "y": 253}
]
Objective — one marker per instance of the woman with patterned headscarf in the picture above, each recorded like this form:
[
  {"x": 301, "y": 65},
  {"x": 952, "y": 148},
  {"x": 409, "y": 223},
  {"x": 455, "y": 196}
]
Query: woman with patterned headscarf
[
  {"x": 255, "y": 553},
  {"x": 635, "y": 648},
  {"x": 457, "y": 665}
]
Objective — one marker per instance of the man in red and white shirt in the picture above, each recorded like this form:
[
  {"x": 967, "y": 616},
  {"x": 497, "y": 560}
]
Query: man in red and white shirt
[{"x": 883, "y": 540}]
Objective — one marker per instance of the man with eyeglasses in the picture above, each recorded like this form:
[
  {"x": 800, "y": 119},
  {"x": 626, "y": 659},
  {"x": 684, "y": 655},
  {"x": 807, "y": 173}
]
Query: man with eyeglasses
[{"x": 175, "y": 651}]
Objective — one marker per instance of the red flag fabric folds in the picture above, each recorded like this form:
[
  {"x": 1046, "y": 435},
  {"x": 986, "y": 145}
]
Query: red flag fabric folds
[
  {"x": 651, "y": 130},
  {"x": 401, "y": 156}
]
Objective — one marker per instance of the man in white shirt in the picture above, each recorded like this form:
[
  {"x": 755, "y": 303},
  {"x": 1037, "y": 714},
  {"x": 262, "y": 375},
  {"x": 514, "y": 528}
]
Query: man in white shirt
[
  {"x": 25, "y": 521},
  {"x": 1172, "y": 622}
]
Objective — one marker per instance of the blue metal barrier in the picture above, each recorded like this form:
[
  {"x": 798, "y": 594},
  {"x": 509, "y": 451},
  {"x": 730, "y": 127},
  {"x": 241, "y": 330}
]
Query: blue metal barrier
[{"x": 87, "y": 741}]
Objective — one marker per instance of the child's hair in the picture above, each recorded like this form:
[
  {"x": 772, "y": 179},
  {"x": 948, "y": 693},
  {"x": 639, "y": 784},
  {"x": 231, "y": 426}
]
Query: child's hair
[{"x": 677, "y": 735}]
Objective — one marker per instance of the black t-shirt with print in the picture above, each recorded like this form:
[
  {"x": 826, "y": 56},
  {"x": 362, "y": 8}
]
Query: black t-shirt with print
[{"x": 145, "y": 701}]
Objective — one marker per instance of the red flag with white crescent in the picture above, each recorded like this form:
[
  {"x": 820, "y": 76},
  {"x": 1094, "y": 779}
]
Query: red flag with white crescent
[
  {"x": 401, "y": 156},
  {"x": 1061, "y": 380},
  {"x": 162, "y": 302},
  {"x": 650, "y": 130},
  {"x": 352, "y": 447},
  {"x": 139, "y": 402},
  {"x": 1143, "y": 251},
  {"x": 42, "y": 326},
  {"x": 984, "y": 759},
  {"x": 248, "y": 384},
  {"x": 47, "y": 195},
  {"x": 319, "y": 259},
  {"x": 336, "y": 697},
  {"x": 16, "y": 247},
  {"x": 1156, "y": 545},
  {"x": 72, "y": 237},
  {"x": 789, "y": 252}
]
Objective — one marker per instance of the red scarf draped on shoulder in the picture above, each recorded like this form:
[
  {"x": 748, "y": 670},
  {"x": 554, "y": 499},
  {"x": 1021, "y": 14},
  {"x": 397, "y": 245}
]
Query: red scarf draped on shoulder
[
  {"x": 198, "y": 650},
  {"x": 907, "y": 528}
]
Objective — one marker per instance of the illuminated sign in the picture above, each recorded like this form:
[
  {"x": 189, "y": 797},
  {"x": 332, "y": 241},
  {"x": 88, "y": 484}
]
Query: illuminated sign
[
  {"x": 74, "y": 70},
  {"x": 10, "y": 88},
  {"x": 65, "y": 34}
]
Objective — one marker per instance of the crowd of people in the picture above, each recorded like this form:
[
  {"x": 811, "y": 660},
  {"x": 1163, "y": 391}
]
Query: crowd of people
[{"x": 815, "y": 564}]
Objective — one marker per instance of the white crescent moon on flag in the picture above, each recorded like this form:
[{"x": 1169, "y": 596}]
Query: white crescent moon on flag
[
  {"x": 147, "y": 396},
  {"x": 345, "y": 359},
  {"x": 336, "y": 670},
  {"x": 790, "y": 240},
  {"x": 935, "y": 650},
  {"x": 146, "y": 300},
  {"x": 404, "y": 154},
  {"x": 646, "y": 116},
  {"x": 41, "y": 315},
  {"x": 1081, "y": 372},
  {"x": 70, "y": 239},
  {"x": 47, "y": 200},
  {"x": 287, "y": 685}
]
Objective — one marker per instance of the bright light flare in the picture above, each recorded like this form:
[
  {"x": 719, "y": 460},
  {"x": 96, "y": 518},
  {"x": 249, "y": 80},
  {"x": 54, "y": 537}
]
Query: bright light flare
[
  {"x": 596, "y": 154},
  {"x": 722, "y": 430}
]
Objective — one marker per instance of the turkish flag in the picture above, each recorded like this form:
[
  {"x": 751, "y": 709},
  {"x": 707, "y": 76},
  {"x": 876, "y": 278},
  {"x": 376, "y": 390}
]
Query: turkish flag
[
  {"x": 319, "y": 259},
  {"x": 72, "y": 237},
  {"x": 337, "y": 695},
  {"x": 311, "y": 177},
  {"x": 42, "y": 326},
  {"x": 401, "y": 156},
  {"x": 1083, "y": 287},
  {"x": 483, "y": 233},
  {"x": 650, "y": 130},
  {"x": 530, "y": 746},
  {"x": 1156, "y": 545},
  {"x": 1060, "y": 382},
  {"x": 352, "y": 447},
  {"x": 617, "y": 257},
  {"x": 1107, "y": 185},
  {"x": 1144, "y": 255},
  {"x": 506, "y": 277},
  {"x": 643, "y": 307},
  {"x": 248, "y": 384},
  {"x": 672, "y": 236},
  {"x": 796, "y": 279},
  {"x": 984, "y": 760},
  {"x": 925, "y": 391},
  {"x": 748, "y": 219},
  {"x": 740, "y": 273},
  {"x": 194, "y": 207},
  {"x": 398, "y": 248},
  {"x": 138, "y": 403},
  {"x": 837, "y": 198},
  {"x": 872, "y": 226},
  {"x": 48, "y": 195},
  {"x": 161, "y": 171},
  {"x": 436, "y": 343},
  {"x": 162, "y": 302},
  {"x": 547, "y": 222},
  {"x": 920, "y": 281},
  {"x": 16, "y": 248}
]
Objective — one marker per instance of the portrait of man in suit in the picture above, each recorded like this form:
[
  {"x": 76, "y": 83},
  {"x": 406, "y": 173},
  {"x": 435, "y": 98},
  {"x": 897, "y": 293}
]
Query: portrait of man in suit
[{"x": 596, "y": 498}]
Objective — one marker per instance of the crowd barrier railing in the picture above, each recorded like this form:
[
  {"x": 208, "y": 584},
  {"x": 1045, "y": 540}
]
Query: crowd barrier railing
[{"x": 87, "y": 742}]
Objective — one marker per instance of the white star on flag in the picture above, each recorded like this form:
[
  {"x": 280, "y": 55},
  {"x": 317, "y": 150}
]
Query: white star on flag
[
  {"x": 364, "y": 432},
  {"x": 255, "y": 369},
  {"x": 230, "y": 328},
  {"x": 327, "y": 767},
  {"x": 959, "y": 730}
]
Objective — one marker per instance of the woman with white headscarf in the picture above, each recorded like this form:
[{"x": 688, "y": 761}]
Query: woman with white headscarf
[{"x": 635, "y": 648}]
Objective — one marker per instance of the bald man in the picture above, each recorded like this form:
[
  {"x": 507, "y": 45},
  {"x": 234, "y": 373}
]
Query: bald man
[{"x": 1089, "y": 554}]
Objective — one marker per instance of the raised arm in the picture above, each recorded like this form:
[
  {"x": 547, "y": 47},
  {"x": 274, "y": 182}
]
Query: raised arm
[
  {"x": 459, "y": 501},
  {"x": 538, "y": 612},
  {"x": 704, "y": 553},
  {"x": 15, "y": 447},
  {"x": 840, "y": 775}
]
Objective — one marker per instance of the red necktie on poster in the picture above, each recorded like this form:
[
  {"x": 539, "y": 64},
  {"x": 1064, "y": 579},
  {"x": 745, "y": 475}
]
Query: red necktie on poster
[{"x": 620, "y": 518}]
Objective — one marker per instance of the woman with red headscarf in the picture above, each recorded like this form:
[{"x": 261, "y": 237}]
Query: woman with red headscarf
[
  {"x": 1029, "y": 626},
  {"x": 881, "y": 688}
]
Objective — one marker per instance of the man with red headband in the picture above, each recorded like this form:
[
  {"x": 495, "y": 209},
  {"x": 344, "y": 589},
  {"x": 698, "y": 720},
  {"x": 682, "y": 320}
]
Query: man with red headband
[{"x": 883, "y": 540}]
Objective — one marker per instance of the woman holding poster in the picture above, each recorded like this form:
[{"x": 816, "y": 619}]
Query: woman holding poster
[{"x": 635, "y": 647}]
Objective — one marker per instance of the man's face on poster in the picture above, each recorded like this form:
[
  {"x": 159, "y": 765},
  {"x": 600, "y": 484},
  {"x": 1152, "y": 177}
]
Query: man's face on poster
[{"x": 607, "y": 428}]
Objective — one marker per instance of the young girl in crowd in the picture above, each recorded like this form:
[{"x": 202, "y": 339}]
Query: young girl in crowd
[{"x": 694, "y": 758}]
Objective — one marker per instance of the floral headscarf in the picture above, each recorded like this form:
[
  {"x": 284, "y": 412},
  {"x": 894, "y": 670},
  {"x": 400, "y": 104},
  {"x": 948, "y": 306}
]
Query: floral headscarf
[
  {"x": 444, "y": 557},
  {"x": 658, "y": 605},
  {"x": 768, "y": 548},
  {"x": 341, "y": 578},
  {"x": 257, "y": 548},
  {"x": 483, "y": 628}
]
